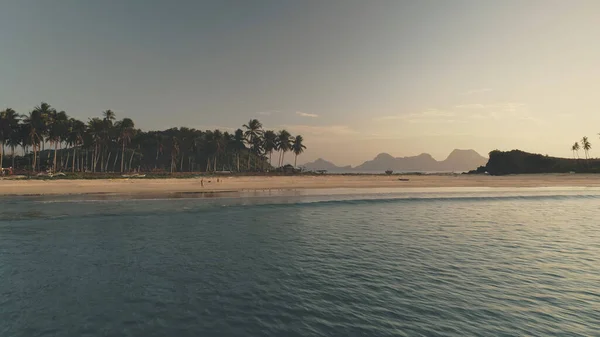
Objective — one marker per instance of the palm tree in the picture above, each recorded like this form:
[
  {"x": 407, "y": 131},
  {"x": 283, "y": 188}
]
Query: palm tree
[
  {"x": 575, "y": 149},
  {"x": 218, "y": 145},
  {"x": 284, "y": 144},
  {"x": 96, "y": 132},
  {"x": 158, "y": 138},
  {"x": 297, "y": 147},
  {"x": 238, "y": 145},
  {"x": 125, "y": 128},
  {"x": 57, "y": 131},
  {"x": 174, "y": 153},
  {"x": 75, "y": 138},
  {"x": 36, "y": 122},
  {"x": 587, "y": 146},
  {"x": 253, "y": 136},
  {"x": 9, "y": 123},
  {"x": 14, "y": 138},
  {"x": 270, "y": 143}
]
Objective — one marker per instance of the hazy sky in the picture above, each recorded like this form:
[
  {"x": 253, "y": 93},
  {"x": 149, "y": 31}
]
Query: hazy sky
[{"x": 355, "y": 78}]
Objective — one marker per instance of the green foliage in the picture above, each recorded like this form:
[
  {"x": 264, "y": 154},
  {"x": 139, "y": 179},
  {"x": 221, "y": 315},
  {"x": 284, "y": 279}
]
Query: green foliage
[
  {"x": 517, "y": 162},
  {"x": 50, "y": 140}
]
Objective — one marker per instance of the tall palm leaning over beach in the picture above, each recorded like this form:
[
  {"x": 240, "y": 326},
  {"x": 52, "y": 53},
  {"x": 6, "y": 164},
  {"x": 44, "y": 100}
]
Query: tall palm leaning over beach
[
  {"x": 586, "y": 145},
  {"x": 575, "y": 149},
  {"x": 297, "y": 147}
]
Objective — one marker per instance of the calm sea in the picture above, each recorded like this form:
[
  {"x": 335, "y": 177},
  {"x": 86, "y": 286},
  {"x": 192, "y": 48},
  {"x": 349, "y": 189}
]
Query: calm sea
[{"x": 384, "y": 263}]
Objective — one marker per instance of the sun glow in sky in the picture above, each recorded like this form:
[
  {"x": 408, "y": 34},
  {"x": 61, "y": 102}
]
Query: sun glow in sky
[{"x": 355, "y": 78}]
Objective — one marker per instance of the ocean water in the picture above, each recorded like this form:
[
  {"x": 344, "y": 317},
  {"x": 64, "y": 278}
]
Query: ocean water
[{"x": 459, "y": 262}]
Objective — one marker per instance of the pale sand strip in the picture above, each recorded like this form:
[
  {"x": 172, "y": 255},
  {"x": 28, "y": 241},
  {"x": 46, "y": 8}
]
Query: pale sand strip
[{"x": 168, "y": 186}]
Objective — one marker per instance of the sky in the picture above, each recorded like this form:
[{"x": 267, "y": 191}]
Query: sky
[{"x": 355, "y": 78}]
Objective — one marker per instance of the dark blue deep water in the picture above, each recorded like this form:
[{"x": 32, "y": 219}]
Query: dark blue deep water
[{"x": 419, "y": 263}]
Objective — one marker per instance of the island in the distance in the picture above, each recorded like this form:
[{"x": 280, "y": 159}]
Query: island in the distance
[
  {"x": 520, "y": 162},
  {"x": 457, "y": 161}
]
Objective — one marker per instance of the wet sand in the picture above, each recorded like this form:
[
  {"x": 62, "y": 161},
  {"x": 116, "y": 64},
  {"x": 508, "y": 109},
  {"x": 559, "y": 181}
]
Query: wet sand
[{"x": 262, "y": 183}]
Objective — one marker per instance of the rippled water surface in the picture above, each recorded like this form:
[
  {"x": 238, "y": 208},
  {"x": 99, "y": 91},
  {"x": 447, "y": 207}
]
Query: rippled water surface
[{"x": 383, "y": 263}]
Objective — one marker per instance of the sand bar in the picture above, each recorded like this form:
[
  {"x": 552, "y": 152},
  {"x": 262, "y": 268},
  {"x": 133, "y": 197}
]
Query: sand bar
[{"x": 240, "y": 184}]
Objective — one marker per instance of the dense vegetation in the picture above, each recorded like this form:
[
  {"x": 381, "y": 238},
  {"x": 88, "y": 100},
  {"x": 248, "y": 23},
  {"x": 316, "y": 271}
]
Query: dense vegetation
[
  {"x": 47, "y": 139},
  {"x": 516, "y": 162}
]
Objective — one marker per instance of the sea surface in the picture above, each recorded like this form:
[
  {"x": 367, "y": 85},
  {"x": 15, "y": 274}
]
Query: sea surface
[{"x": 435, "y": 262}]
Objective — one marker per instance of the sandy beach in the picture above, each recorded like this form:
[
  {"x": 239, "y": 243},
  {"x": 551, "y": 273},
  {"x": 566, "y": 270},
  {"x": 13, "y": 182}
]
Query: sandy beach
[{"x": 233, "y": 184}]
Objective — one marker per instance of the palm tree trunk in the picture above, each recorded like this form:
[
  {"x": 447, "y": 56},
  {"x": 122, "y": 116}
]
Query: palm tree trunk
[
  {"x": 73, "y": 166},
  {"x": 34, "y": 153},
  {"x": 279, "y": 160},
  {"x": 63, "y": 166},
  {"x": 12, "y": 155},
  {"x": 54, "y": 167},
  {"x": 122, "y": 156},
  {"x": 131, "y": 159},
  {"x": 1, "y": 153},
  {"x": 238, "y": 161},
  {"x": 107, "y": 161},
  {"x": 156, "y": 163},
  {"x": 215, "y": 164},
  {"x": 181, "y": 163},
  {"x": 295, "y": 159},
  {"x": 115, "y": 162}
]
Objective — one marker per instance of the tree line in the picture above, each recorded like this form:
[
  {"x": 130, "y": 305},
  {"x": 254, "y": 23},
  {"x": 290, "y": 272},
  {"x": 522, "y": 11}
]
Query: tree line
[{"x": 48, "y": 139}]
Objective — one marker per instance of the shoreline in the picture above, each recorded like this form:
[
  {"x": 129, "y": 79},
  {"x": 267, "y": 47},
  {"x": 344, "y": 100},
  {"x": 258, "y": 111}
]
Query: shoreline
[{"x": 249, "y": 184}]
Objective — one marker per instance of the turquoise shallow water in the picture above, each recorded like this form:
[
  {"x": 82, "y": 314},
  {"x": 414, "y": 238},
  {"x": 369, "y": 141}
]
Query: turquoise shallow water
[{"x": 460, "y": 262}]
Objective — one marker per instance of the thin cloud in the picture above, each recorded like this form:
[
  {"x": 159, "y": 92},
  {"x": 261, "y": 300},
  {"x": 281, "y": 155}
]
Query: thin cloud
[
  {"x": 266, "y": 113},
  {"x": 427, "y": 114},
  {"x": 477, "y": 91},
  {"x": 388, "y": 118},
  {"x": 304, "y": 114},
  {"x": 318, "y": 130},
  {"x": 471, "y": 106}
]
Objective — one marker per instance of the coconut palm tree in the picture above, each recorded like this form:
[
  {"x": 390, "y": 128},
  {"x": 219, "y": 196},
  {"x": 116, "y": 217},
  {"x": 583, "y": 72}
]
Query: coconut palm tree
[
  {"x": 297, "y": 147},
  {"x": 159, "y": 141},
  {"x": 57, "y": 131},
  {"x": 253, "y": 136},
  {"x": 14, "y": 138},
  {"x": 575, "y": 149},
  {"x": 586, "y": 145},
  {"x": 75, "y": 137},
  {"x": 36, "y": 123},
  {"x": 270, "y": 143},
  {"x": 125, "y": 129},
  {"x": 9, "y": 123},
  {"x": 238, "y": 145},
  {"x": 174, "y": 153},
  {"x": 96, "y": 132},
  {"x": 284, "y": 144}
]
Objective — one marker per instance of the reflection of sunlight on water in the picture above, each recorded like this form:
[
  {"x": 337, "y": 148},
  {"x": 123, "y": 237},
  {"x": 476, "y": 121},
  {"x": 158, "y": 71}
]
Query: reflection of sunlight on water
[{"x": 43, "y": 207}]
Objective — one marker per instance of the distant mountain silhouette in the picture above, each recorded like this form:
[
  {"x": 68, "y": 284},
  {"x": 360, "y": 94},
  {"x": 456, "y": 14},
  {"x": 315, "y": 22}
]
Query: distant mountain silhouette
[
  {"x": 322, "y": 164},
  {"x": 458, "y": 160}
]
